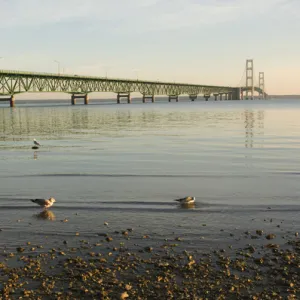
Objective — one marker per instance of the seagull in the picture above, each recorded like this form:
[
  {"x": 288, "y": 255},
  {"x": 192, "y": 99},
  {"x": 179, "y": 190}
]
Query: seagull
[
  {"x": 36, "y": 142},
  {"x": 46, "y": 203},
  {"x": 186, "y": 200}
]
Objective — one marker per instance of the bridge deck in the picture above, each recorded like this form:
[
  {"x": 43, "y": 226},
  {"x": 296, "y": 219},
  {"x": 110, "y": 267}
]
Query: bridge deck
[{"x": 13, "y": 82}]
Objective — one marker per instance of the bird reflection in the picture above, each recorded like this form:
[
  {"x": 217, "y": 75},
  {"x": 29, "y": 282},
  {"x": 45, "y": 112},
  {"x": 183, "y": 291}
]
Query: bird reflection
[
  {"x": 187, "y": 205},
  {"x": 45, "y": 215},
  {"x": 35, "y": 155}
]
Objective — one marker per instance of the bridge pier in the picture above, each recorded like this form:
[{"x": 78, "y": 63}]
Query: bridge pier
[
  {"x": 206, "y": 96},
  {"x": 236, "y": 94},
  {"x": 221, "y": 96},
  {"x": 123, "y": 95},
  {"x": 85, "y": 97},
  {"x": 226, "y": 96},
  {"x": 145, "y": 97},
  {"x": 193, "y": 97},
  {"x": 216, "y": 96},
  {"x": 11, "y": 100},
  {"x": 171, "y": 97}
]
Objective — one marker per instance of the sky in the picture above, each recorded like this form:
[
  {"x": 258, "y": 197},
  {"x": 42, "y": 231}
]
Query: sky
[{"x": 191, "y": 41}]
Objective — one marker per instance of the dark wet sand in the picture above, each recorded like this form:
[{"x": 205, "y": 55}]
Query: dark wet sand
[{"x": 255, "y": 268}]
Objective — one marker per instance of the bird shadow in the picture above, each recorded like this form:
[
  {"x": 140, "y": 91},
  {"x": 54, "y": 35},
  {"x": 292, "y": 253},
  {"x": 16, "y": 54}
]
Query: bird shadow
[{"x": 45, "y": 215}]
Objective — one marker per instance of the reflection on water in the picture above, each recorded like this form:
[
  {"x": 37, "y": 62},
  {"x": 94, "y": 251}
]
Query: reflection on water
[
  {"x": 45, "y": 215},
  {"x": 187, "y": 205},
  {"x": 35, "y": 155},
  {"x": 254, "y": 125},
  {"x": 47, "y": 123}
]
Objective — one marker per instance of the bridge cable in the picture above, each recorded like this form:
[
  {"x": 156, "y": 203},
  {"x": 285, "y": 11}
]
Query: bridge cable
[{"x": 242, "y": 80}]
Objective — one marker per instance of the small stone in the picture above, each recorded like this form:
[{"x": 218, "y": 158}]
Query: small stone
[
  {"x": 251, "y": 249},
  {"x": 272, "y": 246},
  {"x": 270, "y": 236},
  {"x": 124, "y": 296}
]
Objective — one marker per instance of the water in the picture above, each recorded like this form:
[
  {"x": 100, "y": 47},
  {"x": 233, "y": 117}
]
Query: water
[{"x": 125, "y": 164}]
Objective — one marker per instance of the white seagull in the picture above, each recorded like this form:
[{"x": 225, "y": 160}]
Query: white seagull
[
  {"x": 46, "y": 203},
  {"x": 186, "y": 200},
  {"x": 36, "y": 142}
]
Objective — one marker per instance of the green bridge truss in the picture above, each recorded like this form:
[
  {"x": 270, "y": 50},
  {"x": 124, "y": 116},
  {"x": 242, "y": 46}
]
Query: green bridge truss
[{"x": 15, "y": 82}]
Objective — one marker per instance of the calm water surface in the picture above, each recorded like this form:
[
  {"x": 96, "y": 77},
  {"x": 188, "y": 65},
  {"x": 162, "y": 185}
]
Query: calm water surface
[{"x": 124, "y": 164}]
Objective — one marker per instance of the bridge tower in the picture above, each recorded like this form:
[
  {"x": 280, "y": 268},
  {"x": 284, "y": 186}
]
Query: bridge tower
[
  {"x": 249, "y": 79},
  {"x": 262, "y": 85}
]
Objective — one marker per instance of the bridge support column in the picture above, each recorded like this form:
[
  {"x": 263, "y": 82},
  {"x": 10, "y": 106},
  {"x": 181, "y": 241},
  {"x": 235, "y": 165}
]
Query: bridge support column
[
  {"x": 123, "y": 95},
  {"x": 171, "y": 97},
  {"x": 221, "y": 96},
  {"x": 236, "y": 94},
  {"x": 216, "y": 96},
  {"x": 73, "y": 100},
  {"x": 193, "y": 97},
  {"x": 12, "y": 101},
  {"x": 226, "y": 96},
  {"x": 85, "y": 97},
  {"x": 206, "y": 96},
  {"x": 145, "y": 97},
  {"x": 230, "y": 96}
]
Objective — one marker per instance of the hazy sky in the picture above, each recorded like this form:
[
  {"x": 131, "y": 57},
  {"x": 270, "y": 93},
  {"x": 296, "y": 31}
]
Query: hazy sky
[{"x": 194, "y": 41}]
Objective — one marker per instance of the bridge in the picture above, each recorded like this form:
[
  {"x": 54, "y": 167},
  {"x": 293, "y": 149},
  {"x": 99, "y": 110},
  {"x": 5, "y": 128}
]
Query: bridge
[{"x": 16, "y": 82}]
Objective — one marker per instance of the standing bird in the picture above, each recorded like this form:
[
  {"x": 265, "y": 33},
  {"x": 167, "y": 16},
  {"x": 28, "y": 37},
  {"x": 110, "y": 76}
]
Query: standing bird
[
  {"x": 36, "y": 142},
  {"x": 45, "y": 203},
  {"x": 186, "y": 200}
]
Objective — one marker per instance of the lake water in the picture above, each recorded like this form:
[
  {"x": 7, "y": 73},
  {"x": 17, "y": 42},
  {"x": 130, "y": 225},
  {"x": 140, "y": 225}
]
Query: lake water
[{"x": 125, "y": 164}]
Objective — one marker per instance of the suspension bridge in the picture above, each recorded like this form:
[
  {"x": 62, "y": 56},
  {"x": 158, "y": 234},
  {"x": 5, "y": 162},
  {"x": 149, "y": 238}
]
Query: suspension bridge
[{"x": 79, "y": 87}]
